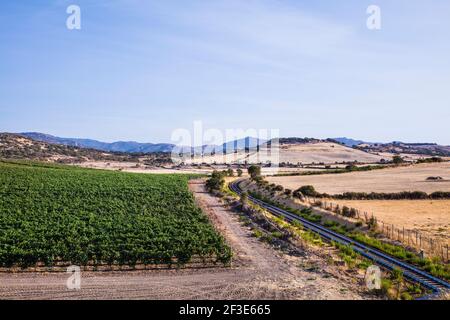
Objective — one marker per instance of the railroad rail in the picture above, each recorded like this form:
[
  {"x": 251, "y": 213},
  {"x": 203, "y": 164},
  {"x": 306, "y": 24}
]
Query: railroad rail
[{"x": 410, "y": 272}]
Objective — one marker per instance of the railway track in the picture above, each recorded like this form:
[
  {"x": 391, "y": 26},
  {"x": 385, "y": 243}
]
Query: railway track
[{"x": 410, "y": 272}]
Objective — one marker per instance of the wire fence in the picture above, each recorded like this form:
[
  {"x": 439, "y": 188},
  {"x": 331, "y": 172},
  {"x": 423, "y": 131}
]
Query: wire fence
[{"x": 424, "y": 244}]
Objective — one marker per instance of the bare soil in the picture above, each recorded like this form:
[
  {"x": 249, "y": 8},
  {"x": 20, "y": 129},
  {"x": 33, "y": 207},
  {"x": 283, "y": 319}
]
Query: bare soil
[{"x": 258, "y": 272}]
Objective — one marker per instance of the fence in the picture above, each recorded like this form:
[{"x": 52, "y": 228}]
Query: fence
[{"x": 427, "y": 246}]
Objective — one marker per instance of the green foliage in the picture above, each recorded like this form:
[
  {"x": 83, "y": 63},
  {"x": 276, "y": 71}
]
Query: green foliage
[
  {"x": 386, "y": 285},
  {"x": 430, "y": 160},
  {"x": 239, "y": 172},
  {"x": 277, "y": 234},
  {"x": 254, "y": 172},
  {"x": 397, "y": 274},
  {"x": 406, "y": 296},
  {"x": 308, "y": 191},
  {"x": 216, "y": 182},
  {"x": 52, "y": 213},
  {"x": 397, "y": 159},
  {"x": 257, "y": 233},
  {"x": 348, "y": 168},
  {"x": 243, "y": 197}
]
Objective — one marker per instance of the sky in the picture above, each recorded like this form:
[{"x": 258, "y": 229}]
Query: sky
[{"x": 138, "y": 70}]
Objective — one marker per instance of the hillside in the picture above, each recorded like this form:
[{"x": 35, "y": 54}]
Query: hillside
[
  {"x": 14, "y": 146},
  {"x": 316, "y": 151},
  {"x": 119, "y": 146},
  {"x": 423, "y": 149}
]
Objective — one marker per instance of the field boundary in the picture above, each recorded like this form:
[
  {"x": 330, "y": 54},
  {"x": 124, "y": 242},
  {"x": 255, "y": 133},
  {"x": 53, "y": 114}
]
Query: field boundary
[
  {"x": 412, "y": 238},
  {"x": 195, "y": 263}
]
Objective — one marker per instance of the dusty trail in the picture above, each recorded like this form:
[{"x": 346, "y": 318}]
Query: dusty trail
[{"x": 258, "y": 272}]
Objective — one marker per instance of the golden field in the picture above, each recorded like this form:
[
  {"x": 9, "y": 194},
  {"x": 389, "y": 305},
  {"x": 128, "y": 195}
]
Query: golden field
[
  {"x": 430, "y": 217},
  {"x": 407, "y": 178}
]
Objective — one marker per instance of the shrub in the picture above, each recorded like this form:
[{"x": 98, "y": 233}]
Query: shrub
[
  {"x": 216, "y": 182},
  {"x": 254, "y": 172},
  {"x": 406, "y": 296},
  {"x": 257, "y": 233},
  {"x": 397, "y": 159},
  {"x": 308, "y": 191}
]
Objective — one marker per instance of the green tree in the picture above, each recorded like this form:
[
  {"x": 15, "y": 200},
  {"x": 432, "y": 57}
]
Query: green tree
[
  {"x": 397, "y": 159},
  {"x": 254, "y": 171},
  {"x": 216, "y": 182},
  {"x": 308, "y": 191},
  {"x": 239, "y": 172}
]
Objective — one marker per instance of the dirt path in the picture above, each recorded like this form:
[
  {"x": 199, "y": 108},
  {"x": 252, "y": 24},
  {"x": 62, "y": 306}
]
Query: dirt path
[{"x": 258, "y": 272}]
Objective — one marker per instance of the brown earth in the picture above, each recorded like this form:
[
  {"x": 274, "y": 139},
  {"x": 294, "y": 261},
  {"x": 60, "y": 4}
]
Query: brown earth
[{"x": 258, "y": 272}]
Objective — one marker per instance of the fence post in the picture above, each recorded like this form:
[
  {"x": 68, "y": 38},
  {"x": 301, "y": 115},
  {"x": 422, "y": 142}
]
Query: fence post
[{"x": 417, "y": 238}]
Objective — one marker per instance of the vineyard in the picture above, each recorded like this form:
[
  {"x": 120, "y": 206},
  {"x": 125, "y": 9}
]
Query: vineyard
[{"x": 51, "y": 214}]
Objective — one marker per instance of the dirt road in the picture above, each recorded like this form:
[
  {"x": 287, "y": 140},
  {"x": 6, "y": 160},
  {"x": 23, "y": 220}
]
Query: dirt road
[{"x": 258, "y": 272}]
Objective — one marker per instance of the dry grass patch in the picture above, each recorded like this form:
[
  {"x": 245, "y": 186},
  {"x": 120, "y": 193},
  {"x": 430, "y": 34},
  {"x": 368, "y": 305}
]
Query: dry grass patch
[
  {"x": 430, "y": 217},
  {"x": 408, "y": 178}
]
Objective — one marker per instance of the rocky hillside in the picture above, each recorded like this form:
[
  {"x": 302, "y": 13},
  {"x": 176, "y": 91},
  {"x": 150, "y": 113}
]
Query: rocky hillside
[{"x": 14, "y": 146}]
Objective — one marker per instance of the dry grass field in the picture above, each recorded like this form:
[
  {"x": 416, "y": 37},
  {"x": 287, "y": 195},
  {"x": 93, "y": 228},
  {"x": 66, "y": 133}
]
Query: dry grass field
[
  {"x": 321, "y": 152},
  {"x": 325, "y": 152},
  {"x": 409, "y": 178},
  {"x": 430, "y": 217}
]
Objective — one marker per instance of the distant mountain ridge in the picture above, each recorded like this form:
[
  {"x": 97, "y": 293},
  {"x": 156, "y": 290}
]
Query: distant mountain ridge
[
  {"x": 430, "y": 149},
  {"x": 423, "y": 148},
  {"x": 119, "y": 146},
  {"x": 350, "y": 142},
  {"x": 137, "y": 147}
]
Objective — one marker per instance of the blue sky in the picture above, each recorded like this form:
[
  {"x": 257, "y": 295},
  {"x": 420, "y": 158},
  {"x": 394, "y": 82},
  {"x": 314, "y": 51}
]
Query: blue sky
[{"x": 137, "y": 70}]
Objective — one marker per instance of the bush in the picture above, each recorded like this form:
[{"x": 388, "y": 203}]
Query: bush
[
  {"x": 386, "y": 286},
  {"x": 397, "y": 160},
  {"x": 254, "y": 172},
  {"x": 216, "y": 182},
  {"x": 406, "y": 296},
  {"x": 257, "y": 233},
  {"x": 308, "y": 191}
]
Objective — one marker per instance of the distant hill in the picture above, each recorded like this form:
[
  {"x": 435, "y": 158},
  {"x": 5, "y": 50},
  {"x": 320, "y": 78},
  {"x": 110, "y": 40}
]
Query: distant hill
[
  {"x": 137, "y": 147},
  {"x": 15, "y": 146},
  {"x": 119, "y": 146},
  {"x": 423, "y": 149},
  {"x": 250, "y": 144},
  {"x": 349, "y": 142}
]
